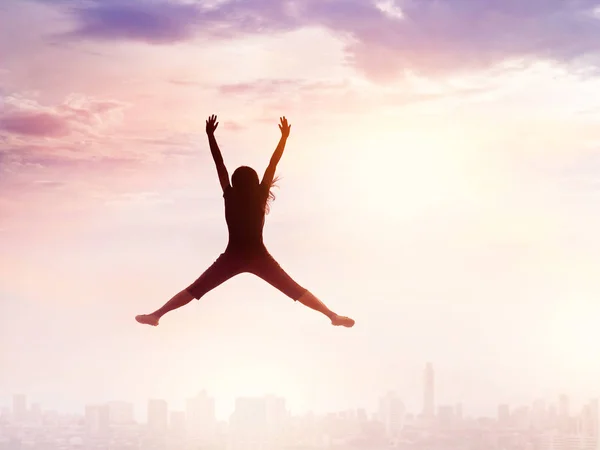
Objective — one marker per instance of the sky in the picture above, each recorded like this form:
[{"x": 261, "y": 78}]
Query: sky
[{"x": 440, "y": 186}]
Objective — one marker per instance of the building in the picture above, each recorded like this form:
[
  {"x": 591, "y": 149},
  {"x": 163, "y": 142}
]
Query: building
[
  {"x": 521, "y": 418},
  {"x": 200, "y": 415},
  {"x": 445, "y": 416},
  {"x": 35, "y": 413},
  {"x": 564, "y": 415},
  {"x": 429, "y": 392},
  {"x": 158, "y": 416},
  {"x": 97, "y": 419},
  {"x": 458, "y": 412},
  {"x": 276, "y": 413},
  {"x": 177, "y": 422},
  {"x": 563, "y": 406},
  {"x": 19, "y": 409},
  {"x": 121, "y": 413},
  {"x": 538, "y": 414},
  {"x": 503, "y": 415},
  {"x": 560, "y": 441},
  {"x": 249, "y": 424},
  {"x": 392, "y": 413}
]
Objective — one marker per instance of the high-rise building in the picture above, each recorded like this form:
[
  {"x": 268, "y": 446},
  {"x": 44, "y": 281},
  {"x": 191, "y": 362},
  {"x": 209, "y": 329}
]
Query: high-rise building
[
  {"x": 429, "y": 392},
  {"x": 594, "y": 418},
  {"x": 458, "y": 411},
  {"x": 158, "y": 415},
  {"x": 560, "y": 441},
  {"x": 97, "y": 419},
  {"x": 249, "y": 424},
  {"x": 564, "y": 414},
  {"x": 503, "y": 415},
  {"x": 35, "y": 412},
  {"x": 177, "y": 422},
  {"x": 361, "y": 415},
  {"x": 200, "y": 415},
  {"x": 521, "y": 417},
  {"x": 445, "y": 416},
  {"x": 597, "y": 426},
  {"x": 563, "y": 406},
  {"x": 19, "y": 409},
  {"x": 552, "y": 417},
  {"x": 276, "y": 413},
  {"x": 538, "y": 414},
  {"x": 250, "y": 412},
  {"x": 392, "y": 413},
  {"x": 121, "y": 413}
]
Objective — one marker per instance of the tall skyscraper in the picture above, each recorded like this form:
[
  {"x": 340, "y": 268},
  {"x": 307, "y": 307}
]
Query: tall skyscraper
[
  {"x": 250, "y": 413},
  {"x": 177, "y": 421},
  {"x": 563, "y": 406},
  {"x": 248, "y": 424},
  {"x": 158, "y": 415},
  {"x": 391, "y": 414},
  {"x": 597, "y": 424},
  {"x": 445, "y": 416},
  {"x": 19, "y": 409},
  {"x": 276, "y": 412},
  {"x": 429, "y": 392},
  {"x": 538, "y": 414},
  {"x": 564, "y": 415},
  {"x": 121, "y": 413},
  {"x": 594, "y": 418},
  {"x": 35, "y": 412},
  {"x": 458, "y": 411},
  {"x": 200, "y": 415},
  {"x": 97, "y": 419},
  {"x": 503, "y": 415}
]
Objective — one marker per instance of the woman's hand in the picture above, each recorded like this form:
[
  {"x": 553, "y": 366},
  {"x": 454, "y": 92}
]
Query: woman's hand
[
  {"x": 212, "y": 124},
  {"x": 284, "y": 127}
]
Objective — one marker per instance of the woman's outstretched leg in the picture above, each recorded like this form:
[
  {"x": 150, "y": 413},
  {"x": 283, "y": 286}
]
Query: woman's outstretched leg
[
  {"x": 220, "y": 271},
  {"x": 308, "y": 299},
  {"x": 177, "y": 301},
  {"x": 269, "y": 270}
]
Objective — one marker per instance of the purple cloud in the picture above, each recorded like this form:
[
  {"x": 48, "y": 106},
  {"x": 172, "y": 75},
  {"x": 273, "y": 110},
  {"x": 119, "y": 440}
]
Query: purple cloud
[
  {"x": 153, "y": 22},
  {"x": 167, "y": 22},
  {"x": 34, "y": 124},
  {"x": 431, "y": 36},
  {"x": 459, "y": 35}
]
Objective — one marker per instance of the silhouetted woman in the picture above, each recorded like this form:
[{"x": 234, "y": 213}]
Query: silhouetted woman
[{"x": 246, "y": 202}]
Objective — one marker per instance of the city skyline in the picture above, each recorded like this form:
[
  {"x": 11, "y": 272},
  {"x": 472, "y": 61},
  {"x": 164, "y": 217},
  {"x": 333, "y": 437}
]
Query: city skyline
[
  {"x": 267, "y": 423},
  {"x": 203, "y": 404}
]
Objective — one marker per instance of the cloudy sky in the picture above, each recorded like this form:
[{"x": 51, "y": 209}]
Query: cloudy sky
[{"x": 440, "y": 185}]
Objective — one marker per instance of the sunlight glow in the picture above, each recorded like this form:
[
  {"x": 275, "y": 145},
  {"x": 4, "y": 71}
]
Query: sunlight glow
[{"x": 401, "y": 173}]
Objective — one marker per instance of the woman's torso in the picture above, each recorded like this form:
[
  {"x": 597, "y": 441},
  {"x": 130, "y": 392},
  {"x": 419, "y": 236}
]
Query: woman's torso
[{"x": 245, "y": 217}]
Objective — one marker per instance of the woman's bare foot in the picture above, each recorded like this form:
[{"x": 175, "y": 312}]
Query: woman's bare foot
[
  {"x": 147, "y": 319},
  {"x": 342, "y": 321}
]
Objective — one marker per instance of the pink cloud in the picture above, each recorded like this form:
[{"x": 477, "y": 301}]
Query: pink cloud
[
  {"x": 39, "y": 124},
  {"x": 27, "y": 117}
]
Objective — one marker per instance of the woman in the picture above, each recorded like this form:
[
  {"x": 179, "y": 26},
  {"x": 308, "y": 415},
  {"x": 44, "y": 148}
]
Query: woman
[{"x": 246, "y": 203}]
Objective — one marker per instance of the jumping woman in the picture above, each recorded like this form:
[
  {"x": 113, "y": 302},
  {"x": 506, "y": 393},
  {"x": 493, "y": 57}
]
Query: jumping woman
[{"x": 246, "y": 203}]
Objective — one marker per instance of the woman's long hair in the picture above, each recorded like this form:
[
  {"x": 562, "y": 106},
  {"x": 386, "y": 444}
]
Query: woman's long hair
[{"x": 245, "y": 181}]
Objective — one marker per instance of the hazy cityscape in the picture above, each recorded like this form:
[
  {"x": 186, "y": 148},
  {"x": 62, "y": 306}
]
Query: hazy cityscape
[{"x": 264, "y": 423}]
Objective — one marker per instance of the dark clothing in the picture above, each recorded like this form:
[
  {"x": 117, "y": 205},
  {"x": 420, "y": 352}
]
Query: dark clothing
[
  {"x": 245, "y": 250},
  {"x": 245, "y": 216},
  {"x": 262, "y": 265}
]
